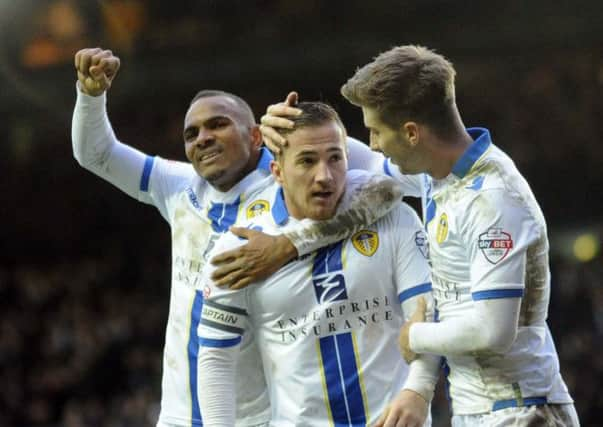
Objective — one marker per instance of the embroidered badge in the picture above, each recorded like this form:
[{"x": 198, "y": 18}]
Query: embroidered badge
[
  {"x": 442, "y": 230},
  {"x": 206, "y": 292},
  {"x": 257, "y": 208},
  {"x": 495, "y": 244},
  {"x": 366, "y": 242}
]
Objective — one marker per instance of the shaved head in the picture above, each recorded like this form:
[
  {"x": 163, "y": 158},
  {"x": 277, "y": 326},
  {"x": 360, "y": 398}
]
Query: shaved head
[{"x": 246, "y": 114}]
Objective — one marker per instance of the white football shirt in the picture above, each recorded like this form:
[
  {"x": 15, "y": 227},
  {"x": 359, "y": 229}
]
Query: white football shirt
[
  {"x": 326, "y": 324},
  {"x": 488, "y": 240}
]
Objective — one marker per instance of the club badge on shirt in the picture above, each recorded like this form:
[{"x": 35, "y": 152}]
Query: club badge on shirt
[
  {"x": 366, "y": 242},
  {"x": 442, "y": 230},
  {"x": 495, "y": 244},
  {"x": 257, "y": 208}
]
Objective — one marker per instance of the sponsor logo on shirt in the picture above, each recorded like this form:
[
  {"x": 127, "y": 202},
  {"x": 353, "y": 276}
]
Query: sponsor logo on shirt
[
  {"x": 187, "y": 271},
  {"x": 330, "y": 287},
  {"x": 442, "y": 230},
  {"x": 366, "y": 242},
  {"x": 327, "y": 274},
  {"x": 257, "y": 208},
  {"x": 495, "y": 244},
  {"x": 342, "y": 316}
]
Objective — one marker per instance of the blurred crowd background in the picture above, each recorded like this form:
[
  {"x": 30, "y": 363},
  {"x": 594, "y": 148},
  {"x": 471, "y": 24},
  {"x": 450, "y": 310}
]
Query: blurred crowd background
[{"x": 84, "y": 270}]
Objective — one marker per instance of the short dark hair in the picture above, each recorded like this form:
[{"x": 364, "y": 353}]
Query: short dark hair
[
  {"x": 314, "y": 113},
  {"x": 208, "y": 93},
  {"x": 406, "y": 83}
]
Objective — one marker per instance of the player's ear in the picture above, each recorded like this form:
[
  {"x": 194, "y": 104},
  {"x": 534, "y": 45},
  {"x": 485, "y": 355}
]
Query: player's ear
[
  {"x": 411, "y": 131},
  {"x": 256, "y": 136},
  {"x": 277, "y": 171}
]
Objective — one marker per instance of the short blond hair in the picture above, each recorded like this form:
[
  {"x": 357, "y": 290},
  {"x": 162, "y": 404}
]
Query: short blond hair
[{"x": 406, "y": 83}]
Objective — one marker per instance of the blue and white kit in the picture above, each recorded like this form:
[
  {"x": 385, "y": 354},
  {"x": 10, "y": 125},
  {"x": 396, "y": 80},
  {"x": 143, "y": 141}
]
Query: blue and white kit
[
  {"x": 326, "y": 325},
  {"x": 488, "y": 251},
  {"x": 198, "y": 214}
]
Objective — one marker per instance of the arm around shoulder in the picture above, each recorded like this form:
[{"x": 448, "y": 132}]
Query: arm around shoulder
[{"x": 368, "y": 198}]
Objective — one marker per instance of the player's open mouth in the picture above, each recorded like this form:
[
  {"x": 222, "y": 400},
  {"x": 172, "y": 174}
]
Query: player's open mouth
[
  {"x": 208, "y": 157},
  {"x": 322, "y": 195}
]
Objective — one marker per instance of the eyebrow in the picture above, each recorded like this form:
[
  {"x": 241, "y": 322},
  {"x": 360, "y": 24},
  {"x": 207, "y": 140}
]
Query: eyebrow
[
  {"x": 314, "y": 152},
  {"x": 208, "y": 120}
]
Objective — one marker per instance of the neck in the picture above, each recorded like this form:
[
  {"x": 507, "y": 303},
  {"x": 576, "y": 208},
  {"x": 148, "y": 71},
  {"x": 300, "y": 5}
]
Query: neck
[
  {"x": 252, "y": 164},
  {"x": 446, "y": 152}
]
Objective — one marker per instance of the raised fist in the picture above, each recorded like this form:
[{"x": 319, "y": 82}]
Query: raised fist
[{"x": 96, "y": 69}]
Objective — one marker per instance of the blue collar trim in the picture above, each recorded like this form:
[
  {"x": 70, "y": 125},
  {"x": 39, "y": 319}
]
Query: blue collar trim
[
  {"x": 279, "y": 208},
  {"x": 482, "y": 140},
  {"x": 265, "y": 158}
]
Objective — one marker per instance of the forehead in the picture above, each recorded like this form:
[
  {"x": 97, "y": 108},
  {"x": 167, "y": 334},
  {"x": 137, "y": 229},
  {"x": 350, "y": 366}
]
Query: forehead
[
  {"x": 314, "y": 138},
  {"x": 213, "y": 106}
]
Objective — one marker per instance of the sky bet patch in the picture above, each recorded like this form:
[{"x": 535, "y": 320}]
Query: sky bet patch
[{"x": 495, "y": 244}]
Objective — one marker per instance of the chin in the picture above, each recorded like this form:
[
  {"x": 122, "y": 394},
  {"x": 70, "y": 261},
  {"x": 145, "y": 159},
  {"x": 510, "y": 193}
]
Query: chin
[
  {"x": 215, "y": 177},
  {"x": 322, "y": 214}
]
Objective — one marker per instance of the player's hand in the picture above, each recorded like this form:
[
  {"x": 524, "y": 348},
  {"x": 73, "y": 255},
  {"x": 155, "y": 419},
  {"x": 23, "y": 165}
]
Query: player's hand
[
  {"x": 408, "y": 409},
  {"x": 276, "y": 117},
  {"x": 417, "y": 316},
  {"x": 96, "y": 68},
  {"x": 259, "y": 258}
]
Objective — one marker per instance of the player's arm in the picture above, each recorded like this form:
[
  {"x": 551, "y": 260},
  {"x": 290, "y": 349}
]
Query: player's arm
[
  {"x": 219, "y": 348},
  {"x": 498, "y": 232},
  {"x": 95, "y": 146},
  {"x": 221, "y": 329},
  {"x": 368, "y": 197},
  {"x": 413, "y": 285}
]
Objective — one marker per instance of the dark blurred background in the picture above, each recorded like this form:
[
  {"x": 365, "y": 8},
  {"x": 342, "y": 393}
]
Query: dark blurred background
[{"x": 84, "y": 270}]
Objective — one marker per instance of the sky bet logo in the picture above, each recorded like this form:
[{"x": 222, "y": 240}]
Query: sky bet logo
[{"x": 495, "y": 244}]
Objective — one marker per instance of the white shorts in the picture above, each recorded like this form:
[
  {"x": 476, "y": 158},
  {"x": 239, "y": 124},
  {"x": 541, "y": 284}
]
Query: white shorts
[{"x": 550, "y": 415}]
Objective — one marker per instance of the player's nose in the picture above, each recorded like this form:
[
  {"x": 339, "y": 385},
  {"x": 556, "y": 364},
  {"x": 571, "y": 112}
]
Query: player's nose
[
  {"x": 323, "y": 173},
  {"x": 204, "y": 138}
]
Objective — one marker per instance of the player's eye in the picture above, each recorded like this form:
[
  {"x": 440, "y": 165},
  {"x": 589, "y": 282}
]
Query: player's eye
[
  {"x": 218, "y": 124},
  {"x": 305, "y": 161},
  {"x": 190, "y": 134}
]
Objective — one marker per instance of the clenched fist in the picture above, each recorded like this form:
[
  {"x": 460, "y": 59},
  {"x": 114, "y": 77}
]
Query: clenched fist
[{"x": 96, "y": 69}]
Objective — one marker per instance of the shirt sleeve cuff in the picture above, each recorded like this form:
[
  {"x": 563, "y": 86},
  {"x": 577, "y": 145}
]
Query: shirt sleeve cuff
[
  {"x": 88, "y": 100},
  {"x": 423, "y": 376}
]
